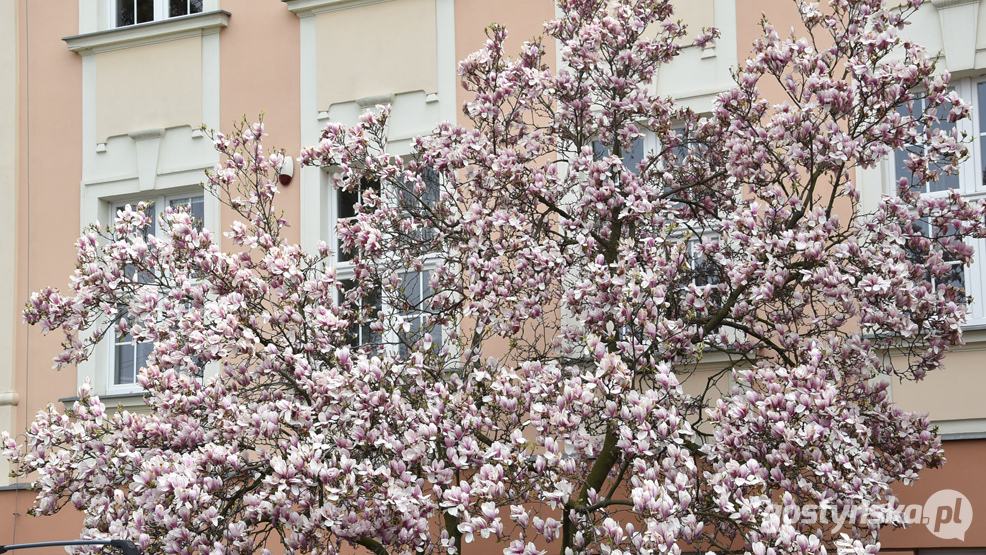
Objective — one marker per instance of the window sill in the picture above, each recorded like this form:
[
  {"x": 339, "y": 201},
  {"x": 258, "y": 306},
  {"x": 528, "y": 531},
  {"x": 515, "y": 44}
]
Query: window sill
[
  {"x": 959, "y": 430},
  {"x": 149, "y": 33},
  {"x": 306, "y": 8},
  {"x": 132, "y": 400}
]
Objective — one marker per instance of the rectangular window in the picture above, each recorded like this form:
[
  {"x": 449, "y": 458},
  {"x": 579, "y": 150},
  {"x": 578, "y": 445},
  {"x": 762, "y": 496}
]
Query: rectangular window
[
  {"x": 346, "y": 202},
  {"x": 945, "y": 182},
  {"x": 631, "y": 156},
  {"x": 417, "y": 204},
  {"x": 129, "y": 357},
  {"x": 364, "y": 308},
  {"x": 131, "y": 12},
  {"x": 410, "y": 300},
  {"x": 416, "y": 292},
  {"x": 970, "y": 180},
  {"x": 919, "y": 254}
]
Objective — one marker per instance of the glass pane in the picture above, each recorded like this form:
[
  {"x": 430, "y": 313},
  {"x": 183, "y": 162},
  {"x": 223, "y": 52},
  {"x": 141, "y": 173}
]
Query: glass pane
[
  {"x": 436, "y": 337},
  {"x": 599, "y": 151},
  {"x": 407, "y": 339},
  {"x": 955, "y": 276},
  {"x": 143, "y": 351},
  {"x": 900, "y": 169},
  {"x": 145, "y": 11},
  {"x": 151, "y": 213},
  {"x": 177, "y": 8},
  {"x": 195, "y": 205},
  {"x": 124, "y": 372},
  {"x": 411, "y": 283},
  {"x": 981, "y": 93},
  {"x": 983, "y": 156},
  {"x": 634, "y": 155},
  {"x": 124, "y": 13},
  {"x": 343, "y": 254},
  {"x": 917, "y": 250},
  {"x": 432, "y": 187},
  {"x": 944, "y": 183},
  {"x": 631, "y": 156},
  {"x": 370, "y": 305},
  {"x": 198, "y": 209},
  {"x": 195, "y": 6},
  {"x": 347, "y": 203},
  {"x": 942, "y": 115}
]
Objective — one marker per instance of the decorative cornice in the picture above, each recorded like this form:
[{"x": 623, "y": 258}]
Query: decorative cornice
[
  {"x": 174, "y": 28},
  {"x": 307, "y": 8},
  {"x": 9, "y": 399},
  {"x": 144, "y": 134},
  {"x": 374, "y": 100},
  {"x": 941, "y": 4}
]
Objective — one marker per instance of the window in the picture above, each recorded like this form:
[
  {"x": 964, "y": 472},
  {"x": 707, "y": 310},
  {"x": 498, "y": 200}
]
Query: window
[
  {"x": 346, "y": 202},
  {"x": 632, "y": 156},
  {"x": 409, "y": 301},
  {"x": 416, "y": 291},
  {"x": 364, "y": 305},
  {"x": 130, "y": 12},
  {"x": 919, "y": 249},
  {"x": 417, "y": 202},
  {"x": 128, "y": 357},
  {"x": 970, "y": 181},
  {"x": 945, "y": 182}
]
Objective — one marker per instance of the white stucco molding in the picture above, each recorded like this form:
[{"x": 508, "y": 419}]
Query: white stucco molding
[
  {"x": 148, "y": 148},
  {"x": 959, "y": 21},
  {"x": 307, "y": 8},
  {"x": 9, "y": 398},
  {"x": 152, "y": 32},
  {"x": 949, "y": 3},
  {"x": 971, "y": 428}
]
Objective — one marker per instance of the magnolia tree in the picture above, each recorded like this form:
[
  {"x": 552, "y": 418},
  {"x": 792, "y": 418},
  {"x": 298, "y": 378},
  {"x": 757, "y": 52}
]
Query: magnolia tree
[{"x": 504, "y": 363}]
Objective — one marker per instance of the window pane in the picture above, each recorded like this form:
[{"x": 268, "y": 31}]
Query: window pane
[
  {"x": 143, "y": 351},
  {"x": 124, "y": 13},
  {"x": 370, "y": 305},
  {"x": 124, "y": 372},
  {"x": 634, "y": 155},
  {"x": 151, "y": 213},
  {"x": 347, "y": 204},
  {"x": 631, "y": 155},
  {"x": 197, "y": 209},
  {"x": 145, "y": 11},
  {"x": 195, "y": 205},
  {"x": 411, "y": 282},
  {"x": 408, "y": 339},
  {"x": 177, "y": 8},
  {"x": 944, "y": 183},
  {"x": 195, "y": 6},
  {"x": 981, "y": 108}
]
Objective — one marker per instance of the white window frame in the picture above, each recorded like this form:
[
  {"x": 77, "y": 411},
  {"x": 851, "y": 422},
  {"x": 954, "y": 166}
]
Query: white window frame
[
  {"x": 112, "y": 341},
  {"x": 970, "y": 184},
  {"x": 345, "y": 270},
  {"x": 161, "y": 9}
]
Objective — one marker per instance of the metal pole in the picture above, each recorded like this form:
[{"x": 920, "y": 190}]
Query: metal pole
[{"x": 128, "y": 547}]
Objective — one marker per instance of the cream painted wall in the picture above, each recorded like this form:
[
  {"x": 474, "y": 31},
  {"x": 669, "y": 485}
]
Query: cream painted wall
[
  {"x": 380, "y": 48},
  {"x": 956, "y": 392},
  {"x": 696, "y": 14},
  {"x": 155, "y": 85}
]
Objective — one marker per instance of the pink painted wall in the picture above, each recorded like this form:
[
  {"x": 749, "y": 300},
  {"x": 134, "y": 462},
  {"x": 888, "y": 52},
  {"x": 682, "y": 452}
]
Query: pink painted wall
[
  {"x": 260, "y": 72},
  {"x": 50, "y": 147},
  {"x": 50, "y": 172}
]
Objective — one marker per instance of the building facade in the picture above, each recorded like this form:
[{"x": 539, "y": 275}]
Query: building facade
[{"x": 104, "y": 101}]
